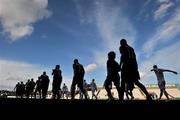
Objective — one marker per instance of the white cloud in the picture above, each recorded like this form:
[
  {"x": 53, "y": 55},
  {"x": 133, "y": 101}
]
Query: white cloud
[
  {"x": 162, "y": 10},
  {"x": 13, "y": 72},
  {"x": 18, "y": 16},
  {"x": 164, "y": 33},
  {"x": 113, "y": 26},
  {"x": 91, "y": 67},
  {"x": 161, "y": 1},
  {"x": 111, "y": 23},
  {"x": 168, "y": 58}
]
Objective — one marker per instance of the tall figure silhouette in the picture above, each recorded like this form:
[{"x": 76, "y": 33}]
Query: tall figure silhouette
[
  {"x": 57, "y": 80},
  {"x": 129, "y": 69},
  {"x": 113, "y": 70},
  {"x": 44, "y": 84},
  {"x": 78, "y": 78}
]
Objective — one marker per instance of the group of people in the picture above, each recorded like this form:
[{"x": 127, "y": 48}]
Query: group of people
[
  {"x": 125, "y": 84},
  {"x": 30, "y": 88},
  {"x": 42, "y": 84},
  {"x": 129, "y": 73}
]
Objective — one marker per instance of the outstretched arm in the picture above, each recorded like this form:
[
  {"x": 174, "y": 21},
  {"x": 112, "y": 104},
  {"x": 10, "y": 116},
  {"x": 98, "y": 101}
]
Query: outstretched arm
[
  {"x": 152, "y": 70},
  {"x": 170, "y": 71}
]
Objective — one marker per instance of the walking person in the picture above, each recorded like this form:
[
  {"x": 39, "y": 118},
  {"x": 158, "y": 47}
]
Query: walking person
[
  {"x": 57, "y": 80},
  {"x": 93, "y": 88},
  {"x": 113, "y": 70},
  {"x": 129, "y": 69},
  {"x": 78, "y": 78}
]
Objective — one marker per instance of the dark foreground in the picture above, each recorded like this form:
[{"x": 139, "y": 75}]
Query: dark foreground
[{"x": 89, "y": 108}]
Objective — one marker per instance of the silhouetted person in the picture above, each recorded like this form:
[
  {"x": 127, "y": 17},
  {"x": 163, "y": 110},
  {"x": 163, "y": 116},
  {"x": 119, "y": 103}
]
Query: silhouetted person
[
  {"x": 17, "y": 89},
  {"x": 57, "y": 79},
  {"x": 85, "y": 86},
  {"x": 129, "y": 69},
  {"x": 113, "y": 70},
  {"x": 22, "y": 89},
  {"x": 161, "y": 80},
  {"x": 77, "y": 78},
  {"x": 28, "y": 88},
  {"x": 64, "y": 91},
  {"x": 44, "y": 84},
  {"x": 38, "y": 87},
  {"x": 32, "y": 86},
  {"x": 93, "y": 88}
]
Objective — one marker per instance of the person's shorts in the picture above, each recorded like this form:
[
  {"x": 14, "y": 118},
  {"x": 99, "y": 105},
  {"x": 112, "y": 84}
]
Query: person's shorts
[{"x": 161, "y": 85}]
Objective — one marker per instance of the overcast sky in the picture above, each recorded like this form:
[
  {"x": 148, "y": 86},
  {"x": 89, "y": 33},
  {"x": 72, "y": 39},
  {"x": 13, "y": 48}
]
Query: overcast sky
[{"x": 35, "y": 35}]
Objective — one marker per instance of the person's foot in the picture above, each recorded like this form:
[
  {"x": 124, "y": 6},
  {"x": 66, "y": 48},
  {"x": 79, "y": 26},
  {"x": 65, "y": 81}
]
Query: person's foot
[{"x": 149, "y": 98}]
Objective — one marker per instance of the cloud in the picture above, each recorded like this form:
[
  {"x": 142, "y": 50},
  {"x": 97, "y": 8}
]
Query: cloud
[
  {"x": 163, "y": 9},
  {"x": 112, "y": 25},
  {"x": 18, "y": 16},
  {"x": 168, "y": 58},
  {"x": 90, "y": 68},
  {"x": 169, "y": 30},
  {"x": 14, "y": 71},
  {"x": 162, "y": 1}
]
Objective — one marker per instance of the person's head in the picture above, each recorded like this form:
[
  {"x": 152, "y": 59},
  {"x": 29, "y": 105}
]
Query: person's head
[
  {"x": 44, "y": 73},
  {"x": 123, "y": 42},
  {"x": 57, "y": 66},
  {"x": 111, "y": 55},
  {"x": 93, "y": 80},
  {"x": 155, "y": 66},
  {"x": 75, "y": 61}
]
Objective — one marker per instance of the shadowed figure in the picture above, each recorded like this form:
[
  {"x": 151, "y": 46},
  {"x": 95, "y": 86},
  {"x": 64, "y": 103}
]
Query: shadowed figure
[
  {"x": 113, "y": 70},
  {"x": 129, "y": 69},
  {"x": 38, "y": 87},
  {"x": 57, "y": 80},
  {"x": 77, "y": 78},
  {"x": 93, "y": 88},
  {"x": 161, "y": 80},
  {"x": 44, "y": 84}
]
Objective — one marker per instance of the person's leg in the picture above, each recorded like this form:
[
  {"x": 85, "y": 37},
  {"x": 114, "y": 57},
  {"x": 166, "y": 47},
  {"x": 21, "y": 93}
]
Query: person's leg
[
  {"x": 142, "y": 87},
  {"x": 122, "y": 89},
  {"x": 166, "y": 94},
  {"x": 107, "y": 83},
  {"x": 73, "y": 87},
  {"x": 161, "y": 93},
  {"x": 117, "y": 84},
  {"x": 131, "y": 94}
]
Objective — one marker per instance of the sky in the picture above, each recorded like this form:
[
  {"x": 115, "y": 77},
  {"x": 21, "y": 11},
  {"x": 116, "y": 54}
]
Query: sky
[{"x": 35, "y": 35}]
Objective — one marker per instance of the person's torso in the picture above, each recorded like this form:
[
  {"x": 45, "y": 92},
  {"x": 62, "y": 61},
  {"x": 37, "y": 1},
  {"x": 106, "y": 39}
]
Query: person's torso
[{"x": 159, "y": 75}]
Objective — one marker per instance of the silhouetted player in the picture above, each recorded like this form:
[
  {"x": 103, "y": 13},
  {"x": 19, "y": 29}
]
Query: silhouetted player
[
  {"x": 77, "y": 78},
  {"x": 44, "y": 84},
  {"x": 113, "y": 70},
  {"x": 161, "y": 81},
  {"x": 38, "y": 87},
  {"x": 57, "y": 79},
  {"x": 129, "y": 69}
]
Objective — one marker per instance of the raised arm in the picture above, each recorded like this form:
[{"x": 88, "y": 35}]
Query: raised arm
[{"x": 164, "y": 70}]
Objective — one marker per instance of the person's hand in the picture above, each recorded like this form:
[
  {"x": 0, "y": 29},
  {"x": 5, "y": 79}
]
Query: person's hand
[
  {"x": 175, "y": 72},
  {"x": 151, "y": 70}
]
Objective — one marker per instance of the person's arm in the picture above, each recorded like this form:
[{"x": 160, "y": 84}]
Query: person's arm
[
  {"x": 152, "y": 70},
  {"x": 164, "y": 70}
]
